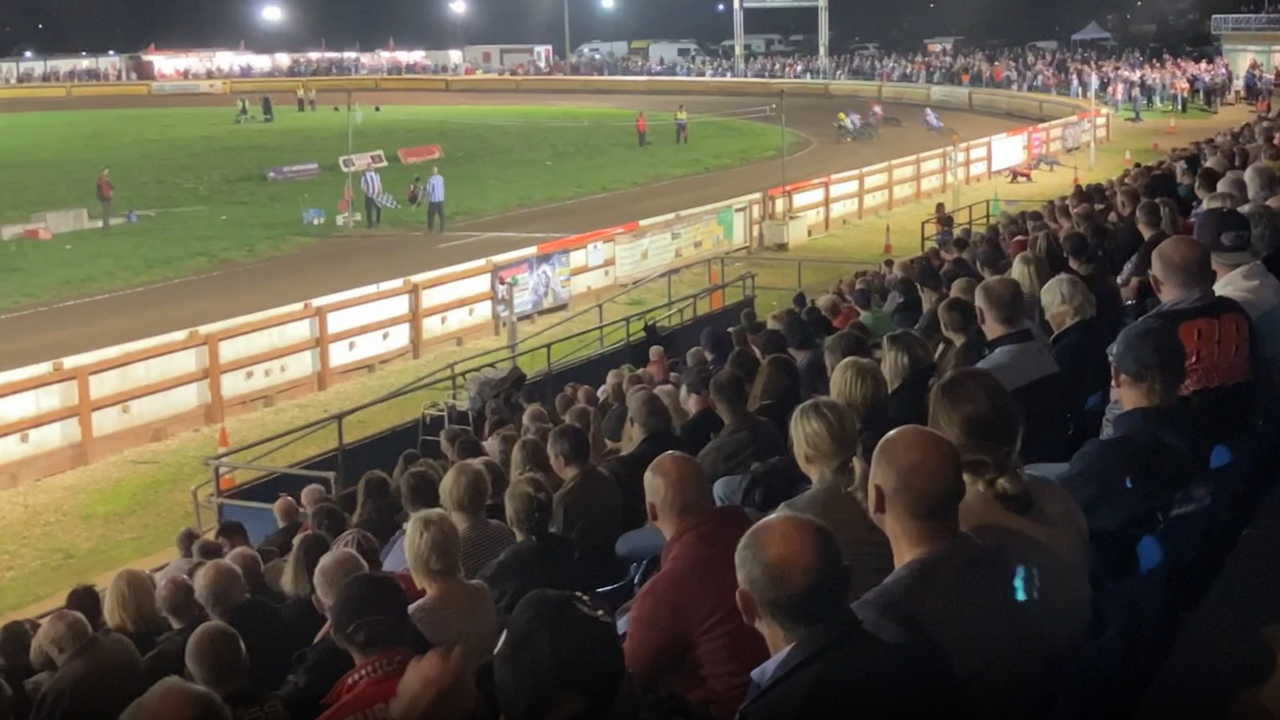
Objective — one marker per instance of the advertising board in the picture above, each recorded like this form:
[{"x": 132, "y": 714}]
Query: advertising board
[
  {"x": 1008, "y": 151},
  {"x": 539, "y": 283},
  {"x": 190, "y": 87},
  {"x": 640, "y": 254},
  {"x": 297, "y": 171},
  {"x": 359, "y": 162}
]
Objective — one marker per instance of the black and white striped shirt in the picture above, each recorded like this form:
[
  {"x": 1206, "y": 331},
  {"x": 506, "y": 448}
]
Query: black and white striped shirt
[{"x": 371, "y": 184}]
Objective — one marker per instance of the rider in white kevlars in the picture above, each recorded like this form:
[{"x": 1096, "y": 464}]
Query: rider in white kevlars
[
  {"x": 931, "y": 119},
  {"x": 855, "y": 119}
]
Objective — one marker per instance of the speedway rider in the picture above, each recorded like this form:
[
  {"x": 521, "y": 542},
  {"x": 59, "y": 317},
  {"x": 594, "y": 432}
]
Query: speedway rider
[
  {"x": 877, "y": 112},
  {"x": 845, "y": 123},
  {"x": 931, "y": 120}
]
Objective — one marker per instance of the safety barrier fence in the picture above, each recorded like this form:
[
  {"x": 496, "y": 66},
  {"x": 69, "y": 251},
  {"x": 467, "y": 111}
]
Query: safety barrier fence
[{"x": 72, "y": 411}]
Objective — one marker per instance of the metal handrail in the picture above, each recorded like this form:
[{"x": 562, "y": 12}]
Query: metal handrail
[{"x": 456, "y": 370}]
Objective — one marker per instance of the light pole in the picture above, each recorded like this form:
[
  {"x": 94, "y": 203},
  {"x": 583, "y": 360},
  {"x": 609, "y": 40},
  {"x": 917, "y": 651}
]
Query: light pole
[
  {"x": 459, "y": 9},
  {"x": 568, "y": 46}
]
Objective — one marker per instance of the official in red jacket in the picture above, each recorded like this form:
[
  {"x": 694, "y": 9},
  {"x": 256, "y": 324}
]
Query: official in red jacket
[
  {"x": 685, "y": 635},
  {"x": 642, "y": 129}
]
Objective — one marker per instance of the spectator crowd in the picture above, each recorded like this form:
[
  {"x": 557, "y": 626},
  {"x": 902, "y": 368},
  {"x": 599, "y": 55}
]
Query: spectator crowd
[{"x": 986, "y": 482}]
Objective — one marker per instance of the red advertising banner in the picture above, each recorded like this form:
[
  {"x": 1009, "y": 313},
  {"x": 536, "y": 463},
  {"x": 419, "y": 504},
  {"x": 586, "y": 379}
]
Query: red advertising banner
[{"x": 420, "y": 154}]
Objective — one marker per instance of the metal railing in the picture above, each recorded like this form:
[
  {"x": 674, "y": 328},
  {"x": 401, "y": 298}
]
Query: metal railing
[
  {"x": 449, "y": 380},
  {"x": 976, "y": 215}
]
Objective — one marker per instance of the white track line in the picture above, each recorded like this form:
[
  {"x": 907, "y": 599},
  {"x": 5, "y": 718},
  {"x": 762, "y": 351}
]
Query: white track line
[{"x": 118, "y": 293}]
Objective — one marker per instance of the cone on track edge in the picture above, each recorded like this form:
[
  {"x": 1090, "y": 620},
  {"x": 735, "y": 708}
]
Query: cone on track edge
[
  {"x": 888, "y": 241},
  {"x": 227, "y": 480},
  {"x": 1173, "y": 124},
  {"x": 1128, "y": 159}
]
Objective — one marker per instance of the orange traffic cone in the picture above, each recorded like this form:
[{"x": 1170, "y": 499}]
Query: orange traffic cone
[
  {"x": 1128, "y": 159},
  {"x": 1173, "y": 124},
  {"x": 228, "y": 480},
  {"x": 888, "y": 241}
]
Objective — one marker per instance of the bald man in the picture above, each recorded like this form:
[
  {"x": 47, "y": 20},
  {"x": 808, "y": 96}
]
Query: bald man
[
  {"x": 97, "y": 677},
  {"x": 216, "y": 660},
  {"x": 684, "y": 637},
  {"x": 793, "y": 588},
  {"x": 176, "y": 699},
  {"x": 1219, "y": 389},
  {"x": 1003, "y": 609}
]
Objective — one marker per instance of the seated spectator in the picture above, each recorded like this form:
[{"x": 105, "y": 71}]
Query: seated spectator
[
  {"x": 288, "y": 523},
  {"x": 683, "y": 638},
  {"x": 98, "y": 675},
  {"x": 130, "y": 609},
  {"x": 837, "y": 312},
  {"x": 588, "y": 419},
  {"x": 319, "y": 666},
  {"x": 657, "y": 367},
  {"x": 695, "y": 394},
  {"x": 845, "y": 344},
  {"x": 1106, "y": 294},
  {"x": 250, "y": 564},
  {"x": 904, "y": 306},
  {"x": 328, "y": 519},
  {"x": 216, "y": 660},
  {"x": 793, "y": 589},
  {"x": 777, "y": 391},
  {"x": 86, "y": 600},
  {"x": 1004, "y": 645},
  {"x": 876, "y": 321},
  {"x": 908, "y": 367},
  {"x": 497, "y": 477},
  {"x": 301, "y": 618},
  {"x": 670, "y": 396},
  {"x": 972, "y": 410},
  {"x": 1079, "y": 349},
  {"x": 588, "y": 507},
  {"x": 186, "y": 541},
  {"x": 407, "y": 459},
  {"x": 16, "y": 667},
  {"x": 464, "y": 493},
  {"x": 859, "y": 384},
  {"x": 207, "y": 550},
  {"x": 929, "y": 283},
  {"x": 563, "y": 402},
  {"x": 456, "y": 614},
  {"x": 176, "y": 600},
  {"x": 560, "y": 658},
  {"x": 173, "y": 698},
  {"x": 449, "y": 438},
  {"x": 963, "y": 343},
  {"x": 824, "y": 438},
  {"x": 614, "y": 420},
  {"x": 377, "y": 512},
  {"x": 221, "y": 590},
  {"x": 419, "y": 490},
  {"x": 746, "y": 440},
  {"x": 232, "y": 534},
  {"x": 368, "y": 619},
  {"x": 469, "y": 447},
  {"x": 805, "y": 349},
  {"x": 313, "y": 495},
  {"x": 716, "y": 345},
  {"x": 964, "y": 288},
  {"x": 1024, "y": 365},
  {"x": 540, "y": 559},
  {"x": 1240, "y": 276},
  {"x": 1126, "y": 482},
  {"x": 651, "y": 435},
  {"x": 530, "y": 456}
]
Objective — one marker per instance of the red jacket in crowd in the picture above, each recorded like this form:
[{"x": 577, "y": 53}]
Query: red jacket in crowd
[
  {"x": 685, "y": 634},
  {"x": 368, "y": 689}
]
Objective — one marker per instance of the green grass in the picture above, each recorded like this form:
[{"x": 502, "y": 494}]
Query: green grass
[{"x": 206, "y": 175}]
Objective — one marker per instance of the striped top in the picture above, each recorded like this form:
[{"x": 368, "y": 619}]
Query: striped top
[
  {"x": 435, "y": 188},
  {"x": 482, "y": 542},
  {"x": 371, "y": 184}
]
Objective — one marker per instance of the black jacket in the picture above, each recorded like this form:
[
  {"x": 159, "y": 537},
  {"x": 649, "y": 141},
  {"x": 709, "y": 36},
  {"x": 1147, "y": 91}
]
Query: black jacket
[
  {"x": 840, "y": 670},
  {"x": 99, "y": 680},
  {"x": 743, "y": 443},
  {"x": 1026, "y": 368},
  {"x": 316, "y": 669},
  {"x": 1081, "y": 353},
  {"x": 548, "y": 563},
  {"x": 267, "y": 640},
  {"x": 628, "y": 471},
  {"x": 281, "y": 541},
  {"x": 699, "y": 429},
  {"x": 169, "y": 656},
  {"x": 909, "y": 402}
]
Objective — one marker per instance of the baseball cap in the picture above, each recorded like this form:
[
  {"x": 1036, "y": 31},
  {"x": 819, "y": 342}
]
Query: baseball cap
[
  {"x": 369, "y": 612},
  {"x": 1227, "y": 234},
  {"x": 696, "y": 379},
  {"x": 1150, "y": 348},
  {"x": 557, "y": 644}
]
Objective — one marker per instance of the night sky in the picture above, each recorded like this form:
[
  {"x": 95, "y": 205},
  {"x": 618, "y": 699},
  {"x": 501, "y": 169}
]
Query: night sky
[{"x": 52, "y": 26}]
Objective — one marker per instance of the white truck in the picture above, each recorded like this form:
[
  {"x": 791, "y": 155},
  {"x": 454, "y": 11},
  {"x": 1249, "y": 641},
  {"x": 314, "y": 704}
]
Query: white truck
[{"x": 493, "y": 58}]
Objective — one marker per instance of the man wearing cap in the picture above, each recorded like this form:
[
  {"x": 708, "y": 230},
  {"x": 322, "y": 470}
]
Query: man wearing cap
[
  {"x": 368, "y": 619},
  {"x": 695, "y": 397},
  {"x": 1243, "y": 278},
  {"x": 1122, "y": 482}
]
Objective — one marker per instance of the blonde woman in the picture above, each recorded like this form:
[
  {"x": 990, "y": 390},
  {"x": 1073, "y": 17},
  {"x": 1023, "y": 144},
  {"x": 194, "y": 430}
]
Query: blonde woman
[
  {"x": 130, "y": 609},
  {"x": 1031, "y": 273},
  {"x": 858, "y": 384},
  {"x": 670, "y": 397},
  {"x": 907, "y": 363},
  {"x": 455, "y": 613},
  {"x": 824, "y": 439},
  {"x": 464, "y": 494},
  {"x": 530, "y": 456}
]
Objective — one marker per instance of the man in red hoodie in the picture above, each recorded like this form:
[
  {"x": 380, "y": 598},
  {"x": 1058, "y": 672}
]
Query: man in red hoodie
[
  {"x": 686, "y": 638},
  {"x": 642, "y": 129},
  {"x": 368, "y": 619}
]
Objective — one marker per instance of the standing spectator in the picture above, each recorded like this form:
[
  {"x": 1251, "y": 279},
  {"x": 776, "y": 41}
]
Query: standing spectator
[
  {"x": 456, "y": 614},
  {"x": 684, "y": 638},
  {"x": 1004, "y": 646},
  {"x": 1024, "y": 365},
  {"x": 793, "y": 589},
  {"x": 651, "y": 433},
  {"x": 369, "y": 621},
  {"x": 824, "y": 438},
  {"x": 371, "y": 186},
  {"x": 464, "y": 493},
  {"x": 216, "y": 660},
  {"x": 106, "y": 191},
  {"x": 98, "y": 674},
  {"x": 221, "y": 590},
  {"x": 642, "y": 129},
  {"x": 435, "y": 199},
  {"x": 130, "y": 609},
  {"x": 419, "y": 490},
  {"x": 176, "y": 600},
  {"x": 588, "y": 507}
]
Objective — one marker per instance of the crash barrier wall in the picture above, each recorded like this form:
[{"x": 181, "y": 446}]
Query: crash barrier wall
[{"x": 69, "y": 412}]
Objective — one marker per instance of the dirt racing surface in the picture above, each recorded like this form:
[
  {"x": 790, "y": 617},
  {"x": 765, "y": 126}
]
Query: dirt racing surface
[{"x": 351, "y": 260}]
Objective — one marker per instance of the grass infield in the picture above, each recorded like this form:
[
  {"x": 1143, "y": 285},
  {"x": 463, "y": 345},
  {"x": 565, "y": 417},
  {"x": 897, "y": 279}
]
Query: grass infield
[{"x": 204, "y": 175}]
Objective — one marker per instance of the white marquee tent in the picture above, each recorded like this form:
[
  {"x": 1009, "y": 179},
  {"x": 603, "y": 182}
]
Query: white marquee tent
[{"x": 1092, "y": 32}]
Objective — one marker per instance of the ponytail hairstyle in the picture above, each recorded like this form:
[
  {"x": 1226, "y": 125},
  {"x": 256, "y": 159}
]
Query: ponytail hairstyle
[
  {"x": 983, "y": 420},
  {"x": 529, "y": 504},
  {"x": 824, "y": 436}
]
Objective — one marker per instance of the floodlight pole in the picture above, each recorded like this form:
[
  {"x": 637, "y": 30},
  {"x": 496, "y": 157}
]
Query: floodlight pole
[
  {"x": 350, "y": 193},
  {"x": 782, "y": 105},
  {"x": 1093, "y": 118},
  {"x": 568, "y": 49},
  {"x": 824, "y": 33},
  {"x": 739, "y": 40}
]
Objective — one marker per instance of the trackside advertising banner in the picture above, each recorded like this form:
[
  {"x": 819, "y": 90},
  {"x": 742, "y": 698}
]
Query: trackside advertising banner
[
  {"x": 299, "y": 171},
  {"x": 420, "y": 154},
  {"x": 541, "y": 282},
  {"x": 360, "y": 162},
  {"x": 190, "y": 87}
]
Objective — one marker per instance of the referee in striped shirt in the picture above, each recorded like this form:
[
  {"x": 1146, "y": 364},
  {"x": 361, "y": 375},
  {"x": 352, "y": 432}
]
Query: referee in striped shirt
[
  {"x": 435, "y": 200},
  {"x": 371, "y": 184}
]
